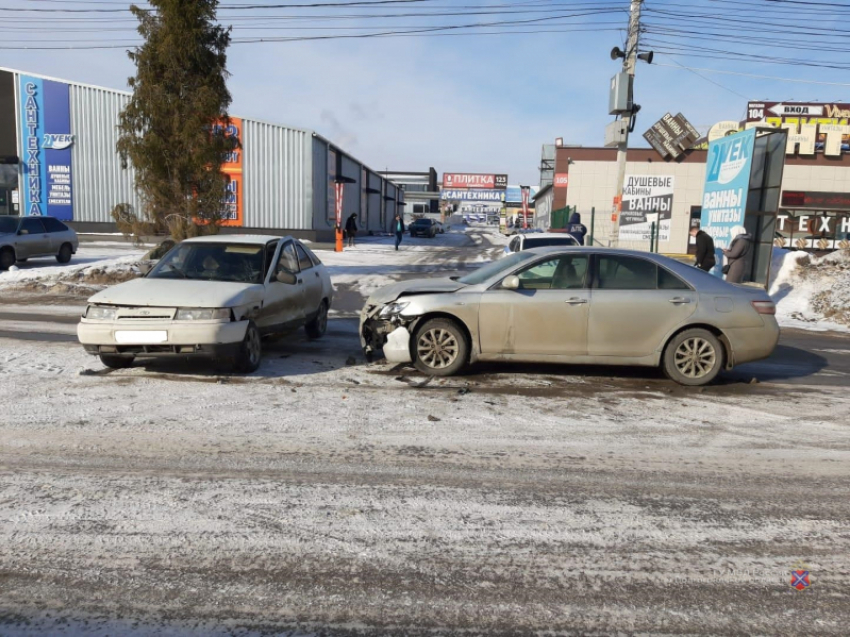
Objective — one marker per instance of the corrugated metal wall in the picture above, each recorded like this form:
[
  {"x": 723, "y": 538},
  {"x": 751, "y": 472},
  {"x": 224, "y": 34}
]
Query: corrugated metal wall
[
  {"x": 99, "y": 182},
  {"x": 277, "y": 176},
  {"x": 320, "y": 185}
]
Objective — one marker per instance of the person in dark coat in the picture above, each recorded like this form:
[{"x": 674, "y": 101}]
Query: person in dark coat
[
  {"x": 705, "y": 259},
  {"x": 736, "y": 254},
  {"x": 351, "y": 229},
  {"x": 576, "y": 228},
  {"x": 398, "y": 228}
]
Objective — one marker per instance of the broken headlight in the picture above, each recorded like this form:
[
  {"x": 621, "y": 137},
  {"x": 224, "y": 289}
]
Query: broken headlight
[{"x": 392, "y": 309}]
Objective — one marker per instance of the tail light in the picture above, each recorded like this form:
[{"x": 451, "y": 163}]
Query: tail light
[{"x": 765, "y": 307}]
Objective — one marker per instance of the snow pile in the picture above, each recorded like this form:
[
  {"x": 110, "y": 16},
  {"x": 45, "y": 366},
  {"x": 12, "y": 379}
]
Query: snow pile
[
  {"x": 79, "y": 279},
  {"x": 811, "y": 292}
]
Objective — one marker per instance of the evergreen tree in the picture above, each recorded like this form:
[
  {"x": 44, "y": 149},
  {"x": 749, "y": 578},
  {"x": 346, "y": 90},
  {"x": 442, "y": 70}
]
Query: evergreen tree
[{"x": 172, "y": 130}]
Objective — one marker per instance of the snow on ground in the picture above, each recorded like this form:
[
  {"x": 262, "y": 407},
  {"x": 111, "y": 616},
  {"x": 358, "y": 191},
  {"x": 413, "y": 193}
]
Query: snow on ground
[
  {"x": 811, "y": 293},
  {"x": 359, "y": 499}
]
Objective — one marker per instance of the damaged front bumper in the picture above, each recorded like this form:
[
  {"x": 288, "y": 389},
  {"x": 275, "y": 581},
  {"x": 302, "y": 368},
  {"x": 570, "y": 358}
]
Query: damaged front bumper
[{"x": 390, "y": 334}]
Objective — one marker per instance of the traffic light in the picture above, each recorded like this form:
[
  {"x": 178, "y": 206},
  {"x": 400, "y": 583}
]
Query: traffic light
[{"x": 9, "y": 160}]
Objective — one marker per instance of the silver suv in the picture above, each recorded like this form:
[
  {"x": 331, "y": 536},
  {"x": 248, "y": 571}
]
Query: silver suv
[{"x": 23, "y": 238}]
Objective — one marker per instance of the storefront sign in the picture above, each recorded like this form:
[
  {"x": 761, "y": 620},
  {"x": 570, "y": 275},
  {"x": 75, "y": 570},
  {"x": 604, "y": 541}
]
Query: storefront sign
[
  {"x": 816, "y": 200},
  {"x": 231, "y": 167},
  {"x": 812, "y": 127},
  {"x": 727, "y": 182},
  {"x": 472, "y": 195},
  {"x": 825, "y": 231},
  {"x": 474, "y": 180},
  {"x": 46, "y": 152},
  {"x": 562, "y": 180},
  {"x": 646, "y": 199}
]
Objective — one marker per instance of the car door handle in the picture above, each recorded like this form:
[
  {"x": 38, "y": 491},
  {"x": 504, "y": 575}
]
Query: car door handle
[
  {"x": 317, "y": 274},
  {"x": 576, "y": 301},
  {"x": 680, "y": 301},
  {"x": 300, "y": 280}
]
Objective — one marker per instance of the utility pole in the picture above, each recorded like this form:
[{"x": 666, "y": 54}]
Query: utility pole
[{"x": 629, "y": 63}]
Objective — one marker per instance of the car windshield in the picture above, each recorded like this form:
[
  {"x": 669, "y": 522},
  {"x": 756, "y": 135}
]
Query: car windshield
[
  {"x": 238, "y": 262},
  {"x": 422, "y": 222},
  {"x": 492, "y": 269},
  {"x": 8, "y": 224},
  {"x": 540, "y": 242}
]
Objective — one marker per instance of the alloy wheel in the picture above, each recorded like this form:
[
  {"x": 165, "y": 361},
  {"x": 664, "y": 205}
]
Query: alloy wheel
[
  {"x": 438, "y": 348},
  {"x": 695, "y": 357}
]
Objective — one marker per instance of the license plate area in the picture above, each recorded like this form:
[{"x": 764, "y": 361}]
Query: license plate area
[{"x": 141, "y": 337}]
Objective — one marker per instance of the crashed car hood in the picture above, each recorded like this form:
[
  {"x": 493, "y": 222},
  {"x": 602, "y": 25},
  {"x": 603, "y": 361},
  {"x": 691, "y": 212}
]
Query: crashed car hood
[
  {"x": 180, "y": 293},
  {"x": 417, "y": 286}
]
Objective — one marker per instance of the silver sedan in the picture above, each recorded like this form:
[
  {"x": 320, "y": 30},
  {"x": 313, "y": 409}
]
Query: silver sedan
[
  {"x": 23, "y": 238},
  {"x": 574, "y": 305}
]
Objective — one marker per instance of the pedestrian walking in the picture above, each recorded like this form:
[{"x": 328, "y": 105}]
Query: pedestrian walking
[
  {"x": 351, "y": 229},
  {"x": 576, "y": 228},
  {"x": 398, "y": 228},
  {"x": 705, "y": 259},
  {"x": 736, "y": 255}
]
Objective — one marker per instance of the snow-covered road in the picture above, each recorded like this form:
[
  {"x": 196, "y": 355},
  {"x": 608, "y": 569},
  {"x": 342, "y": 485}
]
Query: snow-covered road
[{"x": 327, "y": 496}]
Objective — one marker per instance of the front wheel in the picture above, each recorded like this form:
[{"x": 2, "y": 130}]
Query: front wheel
[
  {"x": 693, "y": 358},
  {"x": 7, "y": 258},
  {"x": 441, "y": 348},
  {"x": 65, "y": 253},
  {"x": 250, "y": 351},
  {"x": 116, "y": 361},
  {"x": 319, "y": 325}
]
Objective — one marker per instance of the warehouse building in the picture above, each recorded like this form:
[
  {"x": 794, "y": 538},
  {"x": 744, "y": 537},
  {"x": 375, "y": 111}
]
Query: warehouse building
[{"x": 58, "y": 157}]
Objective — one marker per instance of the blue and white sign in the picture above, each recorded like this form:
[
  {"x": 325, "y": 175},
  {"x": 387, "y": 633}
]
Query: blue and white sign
[
  {"x": 46, "y": 153},
  {"x": 473, "y": 195},
  {"x": 727, "y": 183},
  {"x": 513, "y": 194}
]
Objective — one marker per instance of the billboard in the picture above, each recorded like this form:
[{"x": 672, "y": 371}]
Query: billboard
[
  {"x": 513, "y": 194},
  {"x": 232, "y": 169},
  {"x": 812, "y": 126},
  {"x": 671, "y": 136},
  {"x": 474, "y": 180},
  {"x": 473, "y": 195},
  {"x": 646, "y": 198},
  {"x": 46, "y": 142},
  {"x": 727, "y": 183}
]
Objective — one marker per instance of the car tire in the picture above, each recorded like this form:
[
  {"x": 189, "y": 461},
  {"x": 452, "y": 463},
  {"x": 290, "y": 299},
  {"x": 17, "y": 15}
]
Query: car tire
[
  {"x": 117, "y": 361},
  {"x": 250, "y": 351},
  {"x": 694, "y": 357},
  {"x": 65, "y": 253},
  {"x": 440, "y": 348},
  {"x": 319, "y": 325},
  {"x": 7, "y": 258}
]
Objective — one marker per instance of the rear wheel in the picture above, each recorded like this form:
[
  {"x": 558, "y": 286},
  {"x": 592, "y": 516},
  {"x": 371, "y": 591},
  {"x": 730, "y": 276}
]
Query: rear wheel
[
  {"x": 250, "y": 351},
  {"x": 64, "y": 253},
  {"x": 694, "y": 357},
  {"x": 319, "y": 325},
  {"x": 116, "y": 361},
  {"x": 440, "y": 348},
  {"x": 7, "y": 258}
]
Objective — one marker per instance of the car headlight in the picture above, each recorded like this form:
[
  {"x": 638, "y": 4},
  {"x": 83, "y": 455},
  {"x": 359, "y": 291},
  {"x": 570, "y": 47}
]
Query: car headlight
[
  {"x": 202, "y": 314},
  {"x": 100, "y": 313},
  {"x": 393, "y": 309}
]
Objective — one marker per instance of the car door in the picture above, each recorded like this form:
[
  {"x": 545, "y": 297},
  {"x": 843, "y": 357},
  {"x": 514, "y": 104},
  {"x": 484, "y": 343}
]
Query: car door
[
  {"x": 312, "y": 278},
  {"x": 57, "y": 232},
  {"x": 634, "y": 304},
  {"x": 33, "y": 240},
  {"x": 546, "y": 316},
  {"x": 284, "y": 303}
]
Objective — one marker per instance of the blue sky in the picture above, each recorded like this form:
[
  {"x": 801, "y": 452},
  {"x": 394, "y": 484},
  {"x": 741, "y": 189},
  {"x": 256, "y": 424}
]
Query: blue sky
[{"x": 476, "y": 104}]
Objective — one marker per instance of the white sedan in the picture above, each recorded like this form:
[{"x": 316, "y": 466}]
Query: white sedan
[{"x": 211, "y": 296}]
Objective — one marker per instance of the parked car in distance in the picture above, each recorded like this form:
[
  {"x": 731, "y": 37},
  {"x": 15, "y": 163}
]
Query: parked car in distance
[
  {"x": 23, "y": 238},
  {"x": 529, "y": 240},
  {"x": 211, "y": 296},
  {"x": 424, "y": 227},
  {"x": 574, "y": 305}
]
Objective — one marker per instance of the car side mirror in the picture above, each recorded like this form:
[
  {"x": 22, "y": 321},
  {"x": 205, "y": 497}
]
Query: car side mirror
[
  {"x": 286, "y": 277},
  {"x": 511, "y": 283},
  {"x": 144, "y": 268},
  {"x": 23, "y": 232}
]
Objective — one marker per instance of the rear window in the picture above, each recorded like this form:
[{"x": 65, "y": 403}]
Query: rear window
[
  {"x": 8, "y": 224},
  {"x": 53, "y": 225},
  {"x": 542, "y": 242}
]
